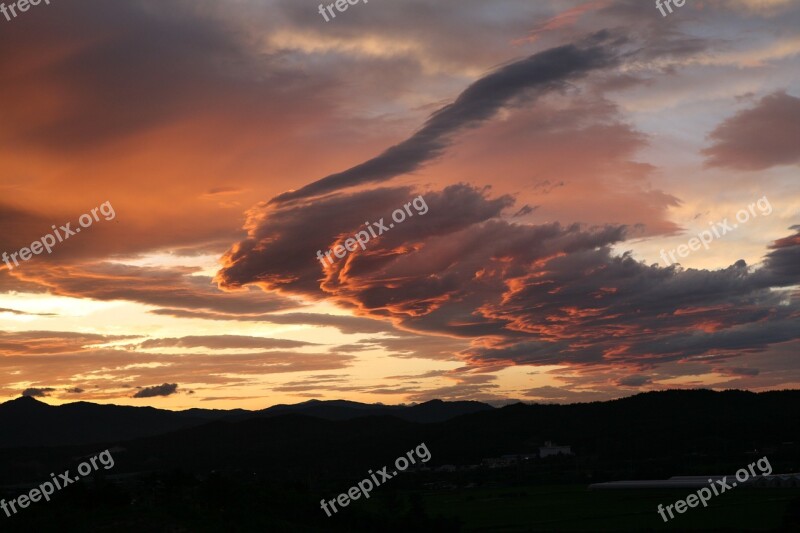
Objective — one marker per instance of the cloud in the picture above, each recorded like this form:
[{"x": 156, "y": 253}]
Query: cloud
[
  {"x": 478, "y": 103},
  {"x": 37, "y": 393},
  {"x": 18, "y": 228},
  {"x": 64, "y": 358},
  {"x": 635, "y": 380},
  {"x": 639, "y": 315},
  {"x": 417, "y": 346},
  {"x": 279, "y": 252},
  {"x": 737, "y": 371},
  {"x": 166, "y": 389},
  {"x": 565, "y": 19},
  {"x": 760, "y": 137},
  {"x": 223, "y": 342},
  {"x": 550, "y": 394},
  {"x": 529, "y": 294},
  {"x": 163, "y": 287},
  {"x": 463, "y": 282},
  {"x": 530, "y": 154},
  {"x": 464, "y": 271},
  {"x": 181, "y": 83},
  {"x": 223, "y": 191},
  {"x": 14, "y": 343},
  {"x": 344, "y": 323},
  {"x": 24, "y": 313},
  {"x": 450, "y": 385},
  {"x": 134, "y": 95},
  {"x": 767, "y": 7}
]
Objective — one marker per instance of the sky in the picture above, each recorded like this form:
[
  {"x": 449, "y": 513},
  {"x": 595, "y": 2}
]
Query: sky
[{"x": 587, "y": 199}]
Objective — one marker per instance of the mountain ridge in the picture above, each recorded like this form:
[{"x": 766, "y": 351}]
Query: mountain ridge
[{"x": 82, "y": 422}]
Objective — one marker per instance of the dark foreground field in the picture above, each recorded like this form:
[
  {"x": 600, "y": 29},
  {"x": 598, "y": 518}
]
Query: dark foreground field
[
  {"x": 574, "y": 508},
  {"x": 227, "y": 505},
  {"x": 250, "y": 472}
]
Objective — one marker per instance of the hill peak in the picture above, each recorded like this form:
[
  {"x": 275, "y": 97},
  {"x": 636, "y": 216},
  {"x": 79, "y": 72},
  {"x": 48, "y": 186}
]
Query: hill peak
[
  {"x": 27, "y": 400},
  {"x": 24, "y": 402}
]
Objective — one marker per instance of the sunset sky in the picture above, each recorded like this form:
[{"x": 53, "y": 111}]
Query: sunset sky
[{"x": 559, "y": 147}]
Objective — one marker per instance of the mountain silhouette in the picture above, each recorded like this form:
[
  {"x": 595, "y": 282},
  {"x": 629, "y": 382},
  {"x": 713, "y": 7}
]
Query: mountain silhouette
[
  {"x": 656, "y": 430},
  {"x": 30, "y": 422},
  {"x": 431, "y": 411}
]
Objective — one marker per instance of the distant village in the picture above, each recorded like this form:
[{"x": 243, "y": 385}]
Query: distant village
[{"x": 549, "y": 449}]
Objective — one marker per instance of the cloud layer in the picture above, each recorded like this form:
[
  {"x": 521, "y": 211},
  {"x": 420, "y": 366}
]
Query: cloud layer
[{"x": 760, "y": 137}]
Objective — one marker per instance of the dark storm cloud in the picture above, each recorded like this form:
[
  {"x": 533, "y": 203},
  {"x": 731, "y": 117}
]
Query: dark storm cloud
[
  {"x": 478, "y": 103},
  {"x": 165, "y": 389},
  {"x": 640, "y": 315},
  {"x": 524, "y": 294},
  {"x": 280, "y": 251},
  {"x": 445, "y": 282},
  {"x": 528, "y": 294},
  {"x": 760, "y": 137},
  {"x": 783, "y": 261}
]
